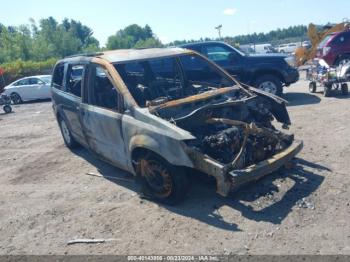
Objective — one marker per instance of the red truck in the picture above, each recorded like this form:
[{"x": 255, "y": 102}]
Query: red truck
[{"x": 335, "y": 48}]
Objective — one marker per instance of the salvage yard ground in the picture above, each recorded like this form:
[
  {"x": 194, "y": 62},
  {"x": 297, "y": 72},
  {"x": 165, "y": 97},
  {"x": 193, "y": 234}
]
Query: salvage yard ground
[{"x": 46, "y": 198}]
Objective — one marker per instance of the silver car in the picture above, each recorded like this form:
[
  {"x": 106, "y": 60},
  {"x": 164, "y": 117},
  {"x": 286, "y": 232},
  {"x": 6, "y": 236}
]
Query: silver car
[{"x": 29, "y": 88}]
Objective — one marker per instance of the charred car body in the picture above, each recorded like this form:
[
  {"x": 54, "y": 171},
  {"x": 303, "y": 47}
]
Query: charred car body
[{"x": 158, "y": 113}]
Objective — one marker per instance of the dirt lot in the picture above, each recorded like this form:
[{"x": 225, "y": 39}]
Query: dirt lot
[{"x": 46, "y": 199}]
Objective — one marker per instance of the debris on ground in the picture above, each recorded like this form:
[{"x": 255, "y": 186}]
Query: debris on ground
[
  {"x": 89, "y": 241},
  {"x": 305, "y": 203}
]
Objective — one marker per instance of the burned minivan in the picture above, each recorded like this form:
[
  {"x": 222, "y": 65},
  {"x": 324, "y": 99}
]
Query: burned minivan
[{"x": 161, "y": 113}]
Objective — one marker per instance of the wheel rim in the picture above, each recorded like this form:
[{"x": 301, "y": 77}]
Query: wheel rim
[
  {"x": 157, "y": 176},
  {"x": 269, "y": 87},
  {"x": 16, "y": 99},
  {"x": 65, "y": 132}
]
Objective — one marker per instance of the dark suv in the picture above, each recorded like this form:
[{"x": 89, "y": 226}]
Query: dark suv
[
  {"x": 335, "y": 48},
  {"x": 269, "y": 72}
]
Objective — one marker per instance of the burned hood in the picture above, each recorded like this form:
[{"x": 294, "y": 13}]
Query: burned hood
[{"x": 252, "y": 106}]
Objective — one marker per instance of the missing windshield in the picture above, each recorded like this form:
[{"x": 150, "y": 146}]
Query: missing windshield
[{"x": 156, "y": 81}]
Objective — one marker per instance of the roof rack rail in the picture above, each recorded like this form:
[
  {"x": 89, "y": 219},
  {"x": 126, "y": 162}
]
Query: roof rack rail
[{"x": 85, "y": 54}]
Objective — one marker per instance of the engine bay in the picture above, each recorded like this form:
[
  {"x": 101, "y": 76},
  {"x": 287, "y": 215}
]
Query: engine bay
[{"x": 234, "y": 128}]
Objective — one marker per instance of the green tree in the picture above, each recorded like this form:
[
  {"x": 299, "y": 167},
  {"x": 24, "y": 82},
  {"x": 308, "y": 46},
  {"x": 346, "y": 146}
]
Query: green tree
[{"x": 133, "y": 36}]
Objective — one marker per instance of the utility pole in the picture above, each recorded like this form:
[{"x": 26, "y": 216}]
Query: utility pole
[{"x": 219, "y": 30}]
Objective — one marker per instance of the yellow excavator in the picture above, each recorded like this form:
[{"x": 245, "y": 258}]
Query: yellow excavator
[{"x": 302, "y": 54}]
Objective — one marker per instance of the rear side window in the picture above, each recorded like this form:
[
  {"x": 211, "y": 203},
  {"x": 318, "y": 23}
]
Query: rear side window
[
  {"x": 74, "y": 79},
  {"x": 57, "y": 80}
]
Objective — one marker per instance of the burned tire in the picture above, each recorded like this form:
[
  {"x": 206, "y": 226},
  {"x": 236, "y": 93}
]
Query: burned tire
[
  {"x": 312, "y": 87},
  {"x": 327, "y": 90},
  {"x": 16, "y": 98},
  {"x": 67, "y": 135},
  {"x": 270, "y": 84},
  {"x": 7, "y": 109},
  {"x": 160, "y": 180}
]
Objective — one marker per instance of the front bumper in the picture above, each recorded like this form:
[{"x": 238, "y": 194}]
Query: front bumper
[
  {"x": 291, "y": 76},
  {"x": 230, "y": 180}
]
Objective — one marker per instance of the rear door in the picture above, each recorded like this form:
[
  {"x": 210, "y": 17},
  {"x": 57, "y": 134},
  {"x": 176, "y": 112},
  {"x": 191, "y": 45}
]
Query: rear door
[
  {"x": 67, "y": 96},
  {"x": 101, "y": 119}
]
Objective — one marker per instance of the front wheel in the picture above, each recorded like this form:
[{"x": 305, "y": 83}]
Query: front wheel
[
  {"x": 16, "y": 98},
  {"x": 67, "y": 135},
  {"x": 270, "y": 84},
  {"x": 160, "y": 180}
]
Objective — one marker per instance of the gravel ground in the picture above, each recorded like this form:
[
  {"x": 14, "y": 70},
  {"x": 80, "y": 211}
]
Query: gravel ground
[{"x": 46, "y": 199}]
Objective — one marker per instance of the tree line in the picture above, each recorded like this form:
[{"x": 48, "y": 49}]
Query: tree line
[
  {"x": 52, "y": 39},
  {"x": 279, "y": 36}
]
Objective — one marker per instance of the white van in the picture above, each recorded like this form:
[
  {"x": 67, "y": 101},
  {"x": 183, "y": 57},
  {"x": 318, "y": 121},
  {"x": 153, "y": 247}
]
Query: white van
[{"x": 263, "y": 48}]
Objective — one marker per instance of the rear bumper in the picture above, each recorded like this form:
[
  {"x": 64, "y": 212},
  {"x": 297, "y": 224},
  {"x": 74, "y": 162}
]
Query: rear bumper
[{"x": 230, "y": 180}]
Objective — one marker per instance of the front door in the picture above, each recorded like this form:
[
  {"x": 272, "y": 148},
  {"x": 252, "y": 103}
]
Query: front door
[
  {"x": 226, "y": 58},
  {"x": 102, "y": 123}
]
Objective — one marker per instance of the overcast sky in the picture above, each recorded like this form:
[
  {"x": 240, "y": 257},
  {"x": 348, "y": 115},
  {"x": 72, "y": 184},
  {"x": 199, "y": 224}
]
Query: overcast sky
[{"x": 180, "y": 19}]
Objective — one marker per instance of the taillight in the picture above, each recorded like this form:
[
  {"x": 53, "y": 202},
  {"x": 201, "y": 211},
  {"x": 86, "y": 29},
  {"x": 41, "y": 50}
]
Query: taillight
[{"x": 326, "y": 50}]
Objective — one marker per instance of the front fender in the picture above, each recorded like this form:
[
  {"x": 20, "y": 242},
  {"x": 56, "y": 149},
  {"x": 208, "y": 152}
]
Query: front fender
[{"x": 171, "y": 150}]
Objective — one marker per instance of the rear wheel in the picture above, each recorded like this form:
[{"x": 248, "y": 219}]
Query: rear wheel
[
  {"x": 67, "y": 135},
  {"x": 160, "y": 180},
  {"x": 16, "y": 98},
  {"x": 344, "y": 89},
  {"x": 270, "y": 84},
  {"x": 7, "y": 109},
  {"x": 312, "y": 87}
]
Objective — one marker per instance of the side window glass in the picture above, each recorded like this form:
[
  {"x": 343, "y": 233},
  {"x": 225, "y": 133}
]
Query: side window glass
[
  {"x": 57, "y": 80},
  {"x": 103, "y": 93},
  {"x": 23, "y": 82},
  {"x": 35, "y": 81},
  {"x": 217, "y": 53},
  {"x": 74, "y": 79}
]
